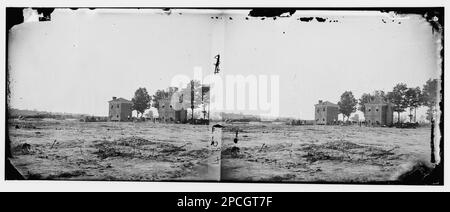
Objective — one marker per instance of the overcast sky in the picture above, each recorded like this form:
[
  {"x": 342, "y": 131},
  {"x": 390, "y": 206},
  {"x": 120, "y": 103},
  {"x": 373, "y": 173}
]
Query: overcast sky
[{"x": 80, "y": 59}]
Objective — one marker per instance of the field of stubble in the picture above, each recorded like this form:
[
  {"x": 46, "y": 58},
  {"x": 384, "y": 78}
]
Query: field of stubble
[
  {"x": 348, "y": 154},
  {"x": 142, "y": 151},
  {"x": 146, "y": 151}
]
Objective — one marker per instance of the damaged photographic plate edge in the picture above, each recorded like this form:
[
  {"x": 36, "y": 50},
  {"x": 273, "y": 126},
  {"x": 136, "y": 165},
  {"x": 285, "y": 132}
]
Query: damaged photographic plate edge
[{"x": 433, "y": 16}]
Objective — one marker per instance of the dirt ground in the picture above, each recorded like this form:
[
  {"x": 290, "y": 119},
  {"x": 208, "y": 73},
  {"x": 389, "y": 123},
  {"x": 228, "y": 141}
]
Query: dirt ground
[
  {"x": 141, "y": 151},
  {"x": 348, "y": 154},
  {"x": 146, "y": 151}
]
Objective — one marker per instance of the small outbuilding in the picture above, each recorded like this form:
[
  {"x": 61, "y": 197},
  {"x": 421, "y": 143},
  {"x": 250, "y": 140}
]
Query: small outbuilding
[
  {"x": 120, "y": 109},
  {"x": 326, "y": 113}
]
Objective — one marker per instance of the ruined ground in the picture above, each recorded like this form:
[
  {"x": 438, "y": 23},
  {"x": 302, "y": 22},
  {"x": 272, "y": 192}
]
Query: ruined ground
[
  {"x": 144, "y": 151},
  {"x": 348, "y": 154}
]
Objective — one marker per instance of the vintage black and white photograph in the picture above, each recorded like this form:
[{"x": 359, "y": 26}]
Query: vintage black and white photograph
[{"x": 265, "y": 95}]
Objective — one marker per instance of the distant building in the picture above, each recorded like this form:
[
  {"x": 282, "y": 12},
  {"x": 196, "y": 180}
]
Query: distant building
[
  {"x": 149, "y": 115},
  {"x": 326, "y": 113},
  {"x": 355, "y": 118},
  {"x": 120, "y": 109},
  {"x": 378, "y": 113},
  {"x": 170, "y": 113}
]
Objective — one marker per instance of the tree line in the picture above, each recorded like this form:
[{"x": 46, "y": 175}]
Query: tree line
[
  {"x": 401, "y": 97},
  {"x": 142, "y": 100}
]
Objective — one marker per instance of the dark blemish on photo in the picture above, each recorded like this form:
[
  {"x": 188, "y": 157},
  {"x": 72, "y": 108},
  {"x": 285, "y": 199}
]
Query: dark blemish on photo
[
  {"x": 14, "y": 16},
  {"x": 270, "y": 12},
  {"x": 167, "y": 11},
  {"x": 306, "y": 19},
  {"x": 45, "y": 12},
  {"x": 319, "y": 19}
]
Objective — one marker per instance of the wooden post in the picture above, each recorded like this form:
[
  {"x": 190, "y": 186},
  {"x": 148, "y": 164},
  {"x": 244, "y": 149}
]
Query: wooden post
[{"x": 192, "y": 101}]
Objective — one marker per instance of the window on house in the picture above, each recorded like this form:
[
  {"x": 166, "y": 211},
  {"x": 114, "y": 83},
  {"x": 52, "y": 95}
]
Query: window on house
[
  {"x": 117, "y": 116},
  {"x": 370, "y": 110},
  {"x": 323, "y": 109},
  {"x": 112, "y": 106},
  {"x": 376, "y": 109},
  {"x": 118, "y": 106},
  {"x": 170, "y": 106},
  {"x": 323, "y": 119}
]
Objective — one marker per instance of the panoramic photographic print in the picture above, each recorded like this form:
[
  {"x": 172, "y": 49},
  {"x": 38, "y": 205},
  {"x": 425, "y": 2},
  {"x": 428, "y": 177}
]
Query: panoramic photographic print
[{"x": 350, "y": 96}]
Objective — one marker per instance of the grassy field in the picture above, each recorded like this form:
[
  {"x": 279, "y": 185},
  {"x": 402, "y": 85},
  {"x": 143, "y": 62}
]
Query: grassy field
[
  {"x": 142, "y": 151},
  {"x": 349, "y": 154},
  {"x": 146, "y": 151}
]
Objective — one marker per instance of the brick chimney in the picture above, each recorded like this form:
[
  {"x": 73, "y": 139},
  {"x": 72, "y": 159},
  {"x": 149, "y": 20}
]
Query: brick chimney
[
  {"x": 114, "y": 98},
  {"x": 320, "y": 101}
]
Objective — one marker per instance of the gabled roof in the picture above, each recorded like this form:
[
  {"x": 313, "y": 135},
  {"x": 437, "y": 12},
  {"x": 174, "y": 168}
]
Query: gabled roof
[
  {"x": 121, "y": 100},
  {"x": 327, "y": 103}
]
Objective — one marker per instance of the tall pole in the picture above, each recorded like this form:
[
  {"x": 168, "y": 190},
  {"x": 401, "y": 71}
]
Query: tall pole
[
  {"x": 192, "y": 101},
  {"x": 205, "y": 90},
  {"x": 204, "y": 110}
]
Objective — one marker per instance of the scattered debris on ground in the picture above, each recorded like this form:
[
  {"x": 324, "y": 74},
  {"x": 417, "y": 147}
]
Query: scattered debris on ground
[
  {"x": 133, "y": 141},
  {"x": 25, "y": 125},
  {"x": 22, "y": 149},
  {"x": 346, "y": 151},
  {"x": 147, "y": 151},
  {"x": 232, "y": 152},
  {"x": 105, "y": 151}
]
